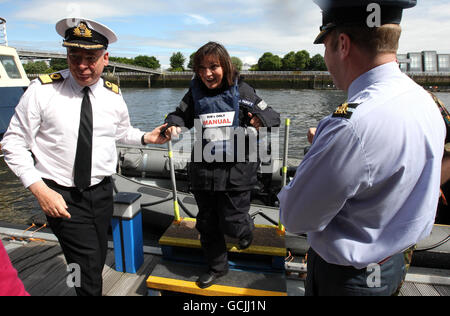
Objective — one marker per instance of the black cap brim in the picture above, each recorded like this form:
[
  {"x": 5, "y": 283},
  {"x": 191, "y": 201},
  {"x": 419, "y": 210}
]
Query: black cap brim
[{"x": 323, "y": 33}]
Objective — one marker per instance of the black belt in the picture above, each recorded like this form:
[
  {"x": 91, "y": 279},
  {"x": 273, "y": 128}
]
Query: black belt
[{"x": 53, "y": 184}]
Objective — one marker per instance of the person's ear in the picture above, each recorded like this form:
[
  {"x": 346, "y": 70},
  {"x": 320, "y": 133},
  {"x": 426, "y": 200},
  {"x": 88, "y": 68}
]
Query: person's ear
[{"x": 344, "y": 45}]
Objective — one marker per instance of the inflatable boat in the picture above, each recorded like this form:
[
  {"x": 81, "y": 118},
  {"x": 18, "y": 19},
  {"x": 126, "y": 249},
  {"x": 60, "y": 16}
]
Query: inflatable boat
[
  {"x": 146, "y": 170},
  {"x": 151, "y": 165}
]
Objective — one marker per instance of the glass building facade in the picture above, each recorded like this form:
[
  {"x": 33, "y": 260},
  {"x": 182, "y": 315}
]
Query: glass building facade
[{"x": 426, "y": 61}]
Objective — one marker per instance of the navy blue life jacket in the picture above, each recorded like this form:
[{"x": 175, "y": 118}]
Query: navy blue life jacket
[{"x": 218, "y": 114}]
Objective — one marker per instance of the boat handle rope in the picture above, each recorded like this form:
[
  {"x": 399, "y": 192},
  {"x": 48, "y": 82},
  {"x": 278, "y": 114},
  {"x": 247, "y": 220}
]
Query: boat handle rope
[{"x": 29, "y": 238}]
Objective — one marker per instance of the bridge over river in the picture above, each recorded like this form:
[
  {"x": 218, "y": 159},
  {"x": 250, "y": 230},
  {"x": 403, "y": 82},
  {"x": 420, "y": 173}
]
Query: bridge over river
[{"x": 52, "y": 55}]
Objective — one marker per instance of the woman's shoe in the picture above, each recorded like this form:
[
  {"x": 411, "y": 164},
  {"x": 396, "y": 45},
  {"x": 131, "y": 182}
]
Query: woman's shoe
[
  {"x": 210, "y": 278},
  {"x": 245, "y": 242}
]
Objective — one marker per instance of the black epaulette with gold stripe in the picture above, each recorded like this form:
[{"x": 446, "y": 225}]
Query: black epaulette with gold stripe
[
  {"x": 345, "y": 110},
  {"x": 113, "y": 87},
  {"x": 48, "y": 79}
]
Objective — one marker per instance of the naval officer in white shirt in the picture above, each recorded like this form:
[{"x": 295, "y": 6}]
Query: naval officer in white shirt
[
  {"x": 61, "y": 144},
  {"x": 369, "y": 186}
]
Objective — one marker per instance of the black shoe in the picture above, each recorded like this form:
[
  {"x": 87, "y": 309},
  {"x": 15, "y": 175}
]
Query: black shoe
[
  {"x": 245, "y": 242},
  {"x": 210, "y": 278}
]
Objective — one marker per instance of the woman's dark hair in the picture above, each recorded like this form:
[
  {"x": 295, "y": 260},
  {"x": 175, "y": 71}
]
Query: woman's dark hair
[{"x": 217, "y": 50}]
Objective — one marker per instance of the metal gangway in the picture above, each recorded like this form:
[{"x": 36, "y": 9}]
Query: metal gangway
[{"x": 3, "y": 36}]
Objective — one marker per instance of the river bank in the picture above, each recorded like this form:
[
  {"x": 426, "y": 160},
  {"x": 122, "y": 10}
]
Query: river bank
[
  {"x": 267, "y": 80},
  {"x": 437, "y": 82}
]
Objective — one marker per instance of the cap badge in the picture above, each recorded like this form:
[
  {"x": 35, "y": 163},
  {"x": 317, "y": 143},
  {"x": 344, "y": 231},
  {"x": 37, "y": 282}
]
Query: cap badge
[{"x": 82, "y": 31}]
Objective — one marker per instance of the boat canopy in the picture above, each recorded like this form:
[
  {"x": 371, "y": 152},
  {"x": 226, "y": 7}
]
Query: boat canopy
[{"x": 12, "y": 73}]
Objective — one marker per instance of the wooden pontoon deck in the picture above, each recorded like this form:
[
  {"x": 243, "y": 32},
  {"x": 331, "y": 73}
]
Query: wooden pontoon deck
[{"x": 42, "y": 268}]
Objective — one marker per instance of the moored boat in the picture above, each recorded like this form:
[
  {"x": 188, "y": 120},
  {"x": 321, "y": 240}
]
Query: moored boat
[
  {"x": 13, "y": 79},
  {"x": 150, "y": 165}
]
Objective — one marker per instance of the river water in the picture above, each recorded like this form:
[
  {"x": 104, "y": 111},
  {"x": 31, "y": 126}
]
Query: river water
[{"x": 148, "y": 108}]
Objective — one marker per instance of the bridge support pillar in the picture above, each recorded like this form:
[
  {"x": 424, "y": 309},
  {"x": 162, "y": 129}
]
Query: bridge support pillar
[{"x": 149, "y": 81}]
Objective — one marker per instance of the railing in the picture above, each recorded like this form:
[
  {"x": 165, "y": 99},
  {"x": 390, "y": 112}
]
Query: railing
[
  {"x": 285, "y": 73},
  {"x": 429, "y": 74},
  {"x": 291, "y": 73},
  {"x": 128, "y": 74},
  {"x": 178, "y": 73},
  {"x": 3, "y": 36},
  {"x": 257, "y": 73},
  {"x": 303, "y": 73}
]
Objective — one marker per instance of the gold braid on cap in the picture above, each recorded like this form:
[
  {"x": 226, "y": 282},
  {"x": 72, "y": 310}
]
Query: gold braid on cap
[{"x": 76, "y": 45}]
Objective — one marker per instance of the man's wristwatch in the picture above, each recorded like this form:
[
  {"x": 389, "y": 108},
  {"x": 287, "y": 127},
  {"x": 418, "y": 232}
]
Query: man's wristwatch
[{"x": 143, "y": 140}]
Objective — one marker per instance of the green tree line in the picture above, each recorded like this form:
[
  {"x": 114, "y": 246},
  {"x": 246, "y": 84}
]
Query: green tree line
[
  {"x": 41, "y": 67},
  {"x": 293, "y": 61},
  {"x": 140, "y": 61}
]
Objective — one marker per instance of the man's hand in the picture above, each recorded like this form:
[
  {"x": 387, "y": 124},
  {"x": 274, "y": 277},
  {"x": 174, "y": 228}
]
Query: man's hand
[
  {"x": 255, "y": 121},
  {"x": 155, "y": 136},
  {"x": 445, "y": 172},
  {"x": 311, "y": 134},
  {"x": 51, "y": 202}
]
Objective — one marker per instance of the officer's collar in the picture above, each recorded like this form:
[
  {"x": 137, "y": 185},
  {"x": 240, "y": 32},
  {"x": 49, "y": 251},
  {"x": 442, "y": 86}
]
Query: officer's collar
[
  {"x": 95, "y": 88},
  {"x": 372, "y": 76}
]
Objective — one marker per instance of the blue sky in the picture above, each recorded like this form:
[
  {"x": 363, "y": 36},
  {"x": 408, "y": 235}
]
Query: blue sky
[{"x": 248, "y": 28}]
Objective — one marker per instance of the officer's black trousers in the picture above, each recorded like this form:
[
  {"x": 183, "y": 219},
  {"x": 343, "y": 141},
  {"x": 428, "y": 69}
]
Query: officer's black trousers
[
  {"x": 84, "y": 237},
  {"x": 220, "y": 214}
]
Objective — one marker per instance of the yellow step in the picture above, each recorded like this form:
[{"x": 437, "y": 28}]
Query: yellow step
[
  {"x": 180, "y": 278},
  {"x": 266, "y": 241}
]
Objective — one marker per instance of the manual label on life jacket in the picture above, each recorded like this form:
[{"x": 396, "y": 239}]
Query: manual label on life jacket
[{"x": 223, "y": 119}]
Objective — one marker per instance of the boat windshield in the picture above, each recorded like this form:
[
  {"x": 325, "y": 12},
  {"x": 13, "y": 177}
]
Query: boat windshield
[{"x": 10, "y": 66}]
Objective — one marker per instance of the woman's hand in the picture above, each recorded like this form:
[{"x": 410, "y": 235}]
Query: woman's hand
[
  {"x": 173, "y": 132},
  {"x": 255, "y": 121}
]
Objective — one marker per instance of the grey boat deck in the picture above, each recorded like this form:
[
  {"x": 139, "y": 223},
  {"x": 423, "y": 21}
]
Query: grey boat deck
[{"x": 42, "y": 268}]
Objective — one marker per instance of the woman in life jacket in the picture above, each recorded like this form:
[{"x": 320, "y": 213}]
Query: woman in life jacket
[{"x": 224, "y": 110}]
